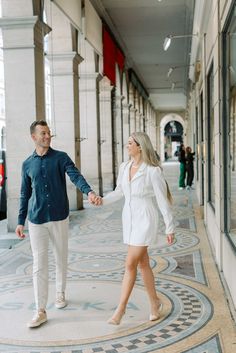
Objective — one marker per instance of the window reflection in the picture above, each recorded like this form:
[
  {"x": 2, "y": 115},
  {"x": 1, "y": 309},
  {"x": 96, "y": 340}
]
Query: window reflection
[
  {"x": 232, "y": 117},
  {"x": 211, "y": 137}
]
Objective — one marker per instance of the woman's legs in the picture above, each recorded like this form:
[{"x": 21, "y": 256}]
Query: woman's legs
[
  {"x": 135, "y": 254},
  {"x": 148, "y": 279}
]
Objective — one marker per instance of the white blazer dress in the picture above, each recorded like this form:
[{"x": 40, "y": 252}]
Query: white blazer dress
[{"x": 143, "y": 193}]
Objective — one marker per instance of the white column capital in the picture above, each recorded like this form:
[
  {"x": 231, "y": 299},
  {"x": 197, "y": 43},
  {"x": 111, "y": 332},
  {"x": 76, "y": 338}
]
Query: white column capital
[
  {"x": 18, "y": 22},
  {"x": 106, "y": 90},
  {"x": 127, "y": 105},
  {"x": 65, "y": 56},
  {"x": 65, "y": 63},
  {"x": 90, "y": 76},
  {"x": 23, "y": 32},
  {"x": 120, "y": 98},
  {"x": 133, "y": 110}
]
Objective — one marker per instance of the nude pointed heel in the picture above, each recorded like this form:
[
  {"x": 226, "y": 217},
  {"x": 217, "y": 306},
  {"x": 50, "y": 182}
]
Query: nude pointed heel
[
  {"x": 113, "y": 321},
  {"x": 153, "y": 317}
]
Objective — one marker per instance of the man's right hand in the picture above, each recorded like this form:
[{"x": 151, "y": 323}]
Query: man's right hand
[{"x": 20, "y": 231}]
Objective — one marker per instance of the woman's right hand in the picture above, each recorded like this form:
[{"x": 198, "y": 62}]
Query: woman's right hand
[{"x": 170, "y": 238}]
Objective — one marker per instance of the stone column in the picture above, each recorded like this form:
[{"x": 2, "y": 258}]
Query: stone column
[
  {"x": 126, "y": 129},
  {"x": 148, "y": 119},
  {"x": 119, "y": 129},
  {"x": 90, "y": 130},
  {"x": 133, "y": 119},
  {"x": 153, "y": 134},
  {"x": 65, "y": 88},
  {"x": 23, "y": 37},
  {"x": 141, "y": 120},
  {"x": 108, "y": 176}
]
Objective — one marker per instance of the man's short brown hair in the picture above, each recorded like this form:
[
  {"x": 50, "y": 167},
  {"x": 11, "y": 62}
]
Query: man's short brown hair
[{"x": 36, "y": 123}]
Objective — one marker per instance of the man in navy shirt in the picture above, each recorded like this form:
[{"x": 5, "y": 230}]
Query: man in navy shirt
[{"x": 44, "y": 199}]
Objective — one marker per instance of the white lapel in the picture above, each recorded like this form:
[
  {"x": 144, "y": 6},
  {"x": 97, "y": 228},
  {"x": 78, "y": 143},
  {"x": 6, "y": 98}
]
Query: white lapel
[{"x": 140, "y": 171}]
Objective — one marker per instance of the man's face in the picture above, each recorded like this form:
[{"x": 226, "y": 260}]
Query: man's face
[{"x": 42, "y": 136}]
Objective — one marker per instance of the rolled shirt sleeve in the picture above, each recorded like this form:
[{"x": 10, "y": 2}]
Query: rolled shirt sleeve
[{"x": 75, "y": 176}]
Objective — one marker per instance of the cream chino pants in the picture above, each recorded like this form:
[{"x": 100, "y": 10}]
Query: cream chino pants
[{"x": 40, "y": 234}]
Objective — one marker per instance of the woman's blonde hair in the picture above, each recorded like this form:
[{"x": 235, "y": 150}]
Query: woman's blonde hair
[{"x": 149, "y": 156}]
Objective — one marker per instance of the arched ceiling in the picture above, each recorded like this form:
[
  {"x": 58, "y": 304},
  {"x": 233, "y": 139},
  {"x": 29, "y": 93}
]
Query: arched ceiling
[{"x": 140, "y": 27}]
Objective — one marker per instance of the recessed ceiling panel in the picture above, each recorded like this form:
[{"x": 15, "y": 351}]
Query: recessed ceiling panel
[{"x": 142, "y": 26}]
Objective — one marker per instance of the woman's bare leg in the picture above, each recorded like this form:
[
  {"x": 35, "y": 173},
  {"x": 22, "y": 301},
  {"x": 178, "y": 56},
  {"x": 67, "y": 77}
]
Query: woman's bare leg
[
  {"x": 135, "y": 253},
  {"x": 149, "y": 282}
]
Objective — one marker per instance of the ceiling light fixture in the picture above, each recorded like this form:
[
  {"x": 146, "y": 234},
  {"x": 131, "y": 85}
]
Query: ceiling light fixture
[
  {"x": 171, "y": 69},
  {"x": 168, "y": 39}
]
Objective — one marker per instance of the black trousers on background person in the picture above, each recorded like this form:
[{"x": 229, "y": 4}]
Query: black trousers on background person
[{"x": 190, "y": 174}]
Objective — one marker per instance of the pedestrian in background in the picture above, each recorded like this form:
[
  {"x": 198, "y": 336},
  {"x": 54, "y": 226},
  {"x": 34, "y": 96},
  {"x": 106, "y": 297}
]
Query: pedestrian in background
[
  {"x": 182, "y": 160},
  {"x": 189, "y": 167}
]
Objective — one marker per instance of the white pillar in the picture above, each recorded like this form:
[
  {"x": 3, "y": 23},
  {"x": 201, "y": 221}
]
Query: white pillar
[
  {"x": 132, "y": 119},
  {"x": 118, "y": 130},
  {"x": 65, "y": 88},
  {"x": 137, "y": 124},
  {"x": 153, "y": 132},
  {"x": 23, "y": 52},
  {"x": 126, "y": 129},
  {"x": 106, "y": 135},
  {"x": 90, "y": 129}
]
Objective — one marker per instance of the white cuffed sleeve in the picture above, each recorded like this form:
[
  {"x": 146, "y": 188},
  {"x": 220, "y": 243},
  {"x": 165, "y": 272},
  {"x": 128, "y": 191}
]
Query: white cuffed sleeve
[
  {"x": 160, "y": 191},
  {"x": 117, "y": 194}
]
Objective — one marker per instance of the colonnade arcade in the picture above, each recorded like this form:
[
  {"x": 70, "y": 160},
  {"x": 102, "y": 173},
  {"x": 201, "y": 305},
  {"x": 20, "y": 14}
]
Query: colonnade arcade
[{"x": 52, "y": 72}]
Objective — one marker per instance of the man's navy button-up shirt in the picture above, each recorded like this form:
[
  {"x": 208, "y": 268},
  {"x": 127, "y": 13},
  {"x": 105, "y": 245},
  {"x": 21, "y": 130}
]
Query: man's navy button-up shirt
[{"x": 43, "y": 189}]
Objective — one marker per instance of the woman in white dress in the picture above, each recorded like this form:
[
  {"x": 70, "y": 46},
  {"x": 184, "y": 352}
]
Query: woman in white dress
[{"x": 141, "y": 181}]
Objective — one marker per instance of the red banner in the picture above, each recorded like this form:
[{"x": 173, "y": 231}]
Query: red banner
[
  {"x": 120, "y": 59},
  {"x": 111, "y": 55}
]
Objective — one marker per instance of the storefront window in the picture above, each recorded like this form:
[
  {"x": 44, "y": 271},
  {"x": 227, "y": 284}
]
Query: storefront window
[
  {"x": 211, "y": 137},
  {"x": 196, "y": 143},
  {"x": 202, "y": 149},
  {"x": 230, "y": 124}
]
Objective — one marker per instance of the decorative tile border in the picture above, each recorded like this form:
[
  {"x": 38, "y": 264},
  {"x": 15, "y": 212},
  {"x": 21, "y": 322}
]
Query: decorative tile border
[
  {"x": 212, "y": 345},
  {"x": 190, "y": 312},
  {"x": 188, "y": 266}
]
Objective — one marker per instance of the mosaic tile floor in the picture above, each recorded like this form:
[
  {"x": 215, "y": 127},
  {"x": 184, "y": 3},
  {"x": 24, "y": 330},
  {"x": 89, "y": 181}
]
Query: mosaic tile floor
[{"x": 195, "y": 318}]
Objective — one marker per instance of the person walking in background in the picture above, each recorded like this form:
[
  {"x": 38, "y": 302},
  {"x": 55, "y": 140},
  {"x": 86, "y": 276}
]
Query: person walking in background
[
  {"x": 44, "y": 198},
  {"x": 182, "y": 160},
  {"x": 138, "y": 181},
  {"x": 189, "y": 167}
]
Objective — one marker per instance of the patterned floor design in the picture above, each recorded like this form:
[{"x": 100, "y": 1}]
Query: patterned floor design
[{"x": 195, "y": 318}]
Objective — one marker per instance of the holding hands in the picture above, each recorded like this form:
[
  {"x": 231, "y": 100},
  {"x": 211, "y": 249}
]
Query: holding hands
[
  {"x": 94, "y": 199},
  {"x": 170, "y": 238}
]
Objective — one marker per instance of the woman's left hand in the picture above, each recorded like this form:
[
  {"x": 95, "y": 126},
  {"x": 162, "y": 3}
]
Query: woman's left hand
[{"x": 170, "y": 238}]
